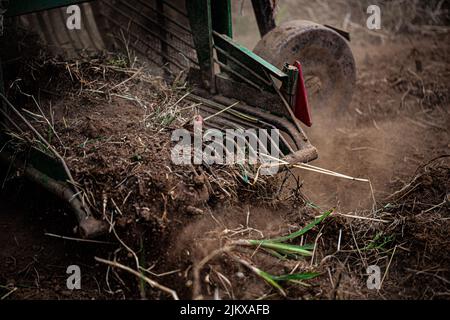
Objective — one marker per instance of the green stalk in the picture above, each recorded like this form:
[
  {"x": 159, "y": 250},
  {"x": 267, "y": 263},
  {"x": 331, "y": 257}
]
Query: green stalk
[
  {"x": 296, "y": 276},
  {"x": 270, "y": 280},
  {"x": 273, "y": 280},
  {"x": 281, "y": 247},
  {"x": 304, "y": 230}
]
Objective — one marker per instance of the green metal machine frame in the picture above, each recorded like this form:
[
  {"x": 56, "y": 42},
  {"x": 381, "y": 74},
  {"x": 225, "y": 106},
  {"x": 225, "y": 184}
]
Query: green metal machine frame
[{"x": 211, "y": 25}]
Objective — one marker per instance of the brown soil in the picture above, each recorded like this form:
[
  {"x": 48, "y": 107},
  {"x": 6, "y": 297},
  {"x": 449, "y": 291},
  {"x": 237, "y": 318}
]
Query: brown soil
[
  {"x": 175, "y": 217},
  {"x": 398, "y": 120}
]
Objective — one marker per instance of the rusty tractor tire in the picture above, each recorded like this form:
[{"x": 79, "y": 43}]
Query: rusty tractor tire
[{"x": 327, "y": 61}]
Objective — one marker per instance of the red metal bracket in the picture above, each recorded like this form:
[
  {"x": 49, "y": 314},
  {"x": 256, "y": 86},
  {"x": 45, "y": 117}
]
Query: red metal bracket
[{"x": 301, "y": 106}]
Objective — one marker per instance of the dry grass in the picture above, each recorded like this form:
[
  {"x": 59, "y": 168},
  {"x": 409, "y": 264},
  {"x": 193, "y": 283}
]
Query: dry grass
[
  {"x": 74, "y": 118},
  {"x": 406, "y": 235}
]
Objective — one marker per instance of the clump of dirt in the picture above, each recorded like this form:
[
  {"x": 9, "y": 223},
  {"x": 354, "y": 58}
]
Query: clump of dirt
[
  {"x": 203, "y": 231},
  {"x": 399, "y": 109},
  {"x": 400, "y": 102},
  {"x": 112, "y": 124},
  {"x": 407, "y": 238}
]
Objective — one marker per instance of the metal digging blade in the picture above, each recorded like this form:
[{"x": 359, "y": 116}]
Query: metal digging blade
[
  {"x": 191, "y": 37},
  {"x": 173, "y": 37}
]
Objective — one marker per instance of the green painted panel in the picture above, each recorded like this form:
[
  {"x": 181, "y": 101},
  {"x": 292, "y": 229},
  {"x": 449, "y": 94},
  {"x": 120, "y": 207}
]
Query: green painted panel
[
  {"x": 199, "y": 12},
  {"x": 247, "y": 57}
]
